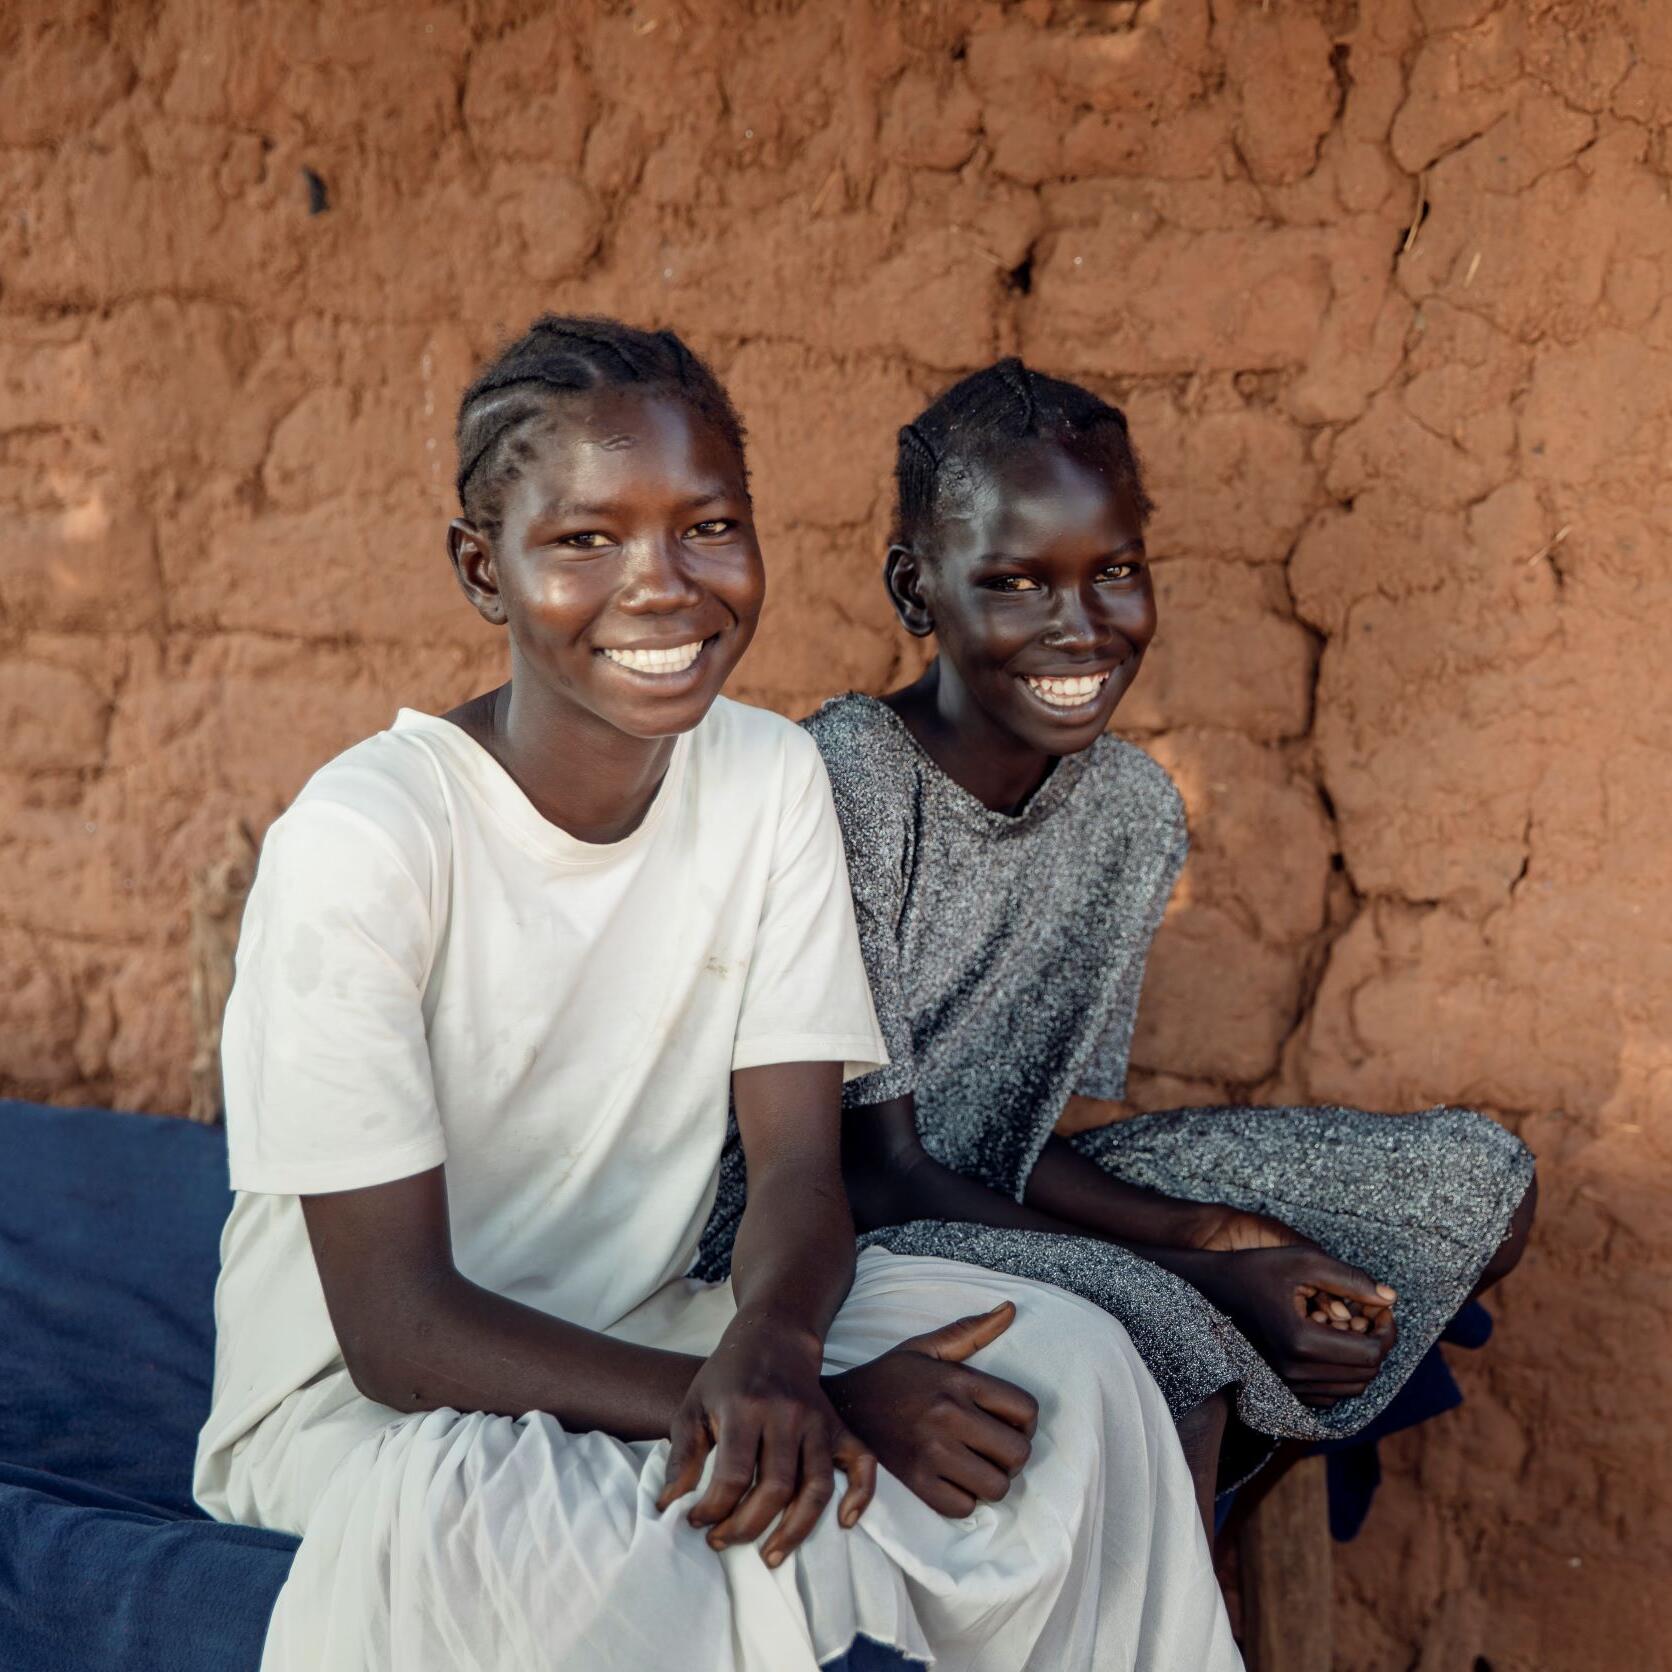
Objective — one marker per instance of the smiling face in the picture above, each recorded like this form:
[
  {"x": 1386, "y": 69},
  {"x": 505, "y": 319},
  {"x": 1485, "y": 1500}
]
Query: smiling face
[
  {"x": 1035, "y": 581},
  {"x": 625, "y": 562}
]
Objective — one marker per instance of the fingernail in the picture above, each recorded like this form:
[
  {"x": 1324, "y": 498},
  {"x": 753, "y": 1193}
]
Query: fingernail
[
  {"x": 1385, "y": 1292},
  {"x": 775, "y": 1558}
]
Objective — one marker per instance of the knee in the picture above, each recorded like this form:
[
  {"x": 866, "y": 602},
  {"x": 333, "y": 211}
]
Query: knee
[
  {"x": 1514, "y": 1245},
  {"x": 1069, "y": 1342},
  {"x": 1202, "y": 1427}
]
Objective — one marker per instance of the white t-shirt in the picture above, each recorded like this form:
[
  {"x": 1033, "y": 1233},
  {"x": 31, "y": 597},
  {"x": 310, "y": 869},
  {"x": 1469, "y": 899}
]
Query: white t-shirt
[{"x": 429, "y": 971}]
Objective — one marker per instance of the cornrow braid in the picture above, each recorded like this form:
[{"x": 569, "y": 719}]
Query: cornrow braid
[
  {"x": 518, "y": 392},
  {"x": 915, "y": 468},
  {"x": 1020, "y": 381},
  {"x": 979, "y": 417}
]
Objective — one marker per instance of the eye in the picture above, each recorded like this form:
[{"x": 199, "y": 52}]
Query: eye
[
  {"x": 713, "y": 528},
  {"x": 1011, "y": 584},
  {"x": 1119, "y": 571},
  {"x": 588, "y": 540}
]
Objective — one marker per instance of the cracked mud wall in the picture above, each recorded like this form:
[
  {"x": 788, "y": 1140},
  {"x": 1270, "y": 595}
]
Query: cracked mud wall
[{"x": 1381, "y": 285}]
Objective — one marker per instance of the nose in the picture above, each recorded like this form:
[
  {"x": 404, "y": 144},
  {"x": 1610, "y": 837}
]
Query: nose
[
  {"x": 656, "y": 582},
  {"x": 1075, "y": 625}
]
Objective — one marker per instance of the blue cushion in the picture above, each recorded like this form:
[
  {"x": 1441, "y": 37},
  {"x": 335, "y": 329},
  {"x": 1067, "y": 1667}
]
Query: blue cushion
[
  {"x": 91, "y": 1579},
  {"x": 109, "y": 1246}
]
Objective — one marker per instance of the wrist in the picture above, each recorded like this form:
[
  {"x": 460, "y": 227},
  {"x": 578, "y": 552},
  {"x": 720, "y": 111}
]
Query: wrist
[
  {"x": 843, "y": 1389},
  {"x": 1192, "y": 1224},
  {"x": 758, "y": 1326}
]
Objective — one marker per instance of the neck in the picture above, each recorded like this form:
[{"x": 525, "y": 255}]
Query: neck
[
  {"x": 577, "y": 770},
  {"x": 964, "y": 741}
]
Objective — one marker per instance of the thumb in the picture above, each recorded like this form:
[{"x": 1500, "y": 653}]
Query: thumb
[
  {"x": 1336, "y": 1277},
  {"x": 956, "y": 1341}
]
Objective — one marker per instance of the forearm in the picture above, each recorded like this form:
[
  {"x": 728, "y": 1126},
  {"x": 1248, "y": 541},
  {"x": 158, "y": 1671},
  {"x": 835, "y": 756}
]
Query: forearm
[
  {"x": 891, "y": 1179},
  {"x": 792, "y": 1263},
  {"x": 1071, "y": 1188},
  {"x": 918, "y": 1187},
  {"x": 448, "y": 1342}
]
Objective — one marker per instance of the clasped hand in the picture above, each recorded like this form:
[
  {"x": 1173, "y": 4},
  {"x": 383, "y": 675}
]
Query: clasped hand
[
  {"x": 953, "y": 1434},
  {"x": 1325, "y": 1326},
  {"x": 759, "y": 1405}
]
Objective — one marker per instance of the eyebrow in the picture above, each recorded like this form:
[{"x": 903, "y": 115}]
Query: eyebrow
[
  {"x": 574, "y": 508},
  {"x": 1136, "y": 544}
]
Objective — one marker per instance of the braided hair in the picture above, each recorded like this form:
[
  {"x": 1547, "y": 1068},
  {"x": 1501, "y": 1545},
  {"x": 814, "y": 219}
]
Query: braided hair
[
  {"x": 517, "y": 395},
  {"x": 987, "y": 412}
]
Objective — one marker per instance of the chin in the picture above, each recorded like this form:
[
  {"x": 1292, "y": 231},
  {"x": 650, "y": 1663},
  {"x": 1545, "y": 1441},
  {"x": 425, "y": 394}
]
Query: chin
[
  {"x": 1051, "y": 737},
  {"x": 1069, "y": 740},
  {"x": 650, "y": 714},
  {"x": 663, "y": 719}
]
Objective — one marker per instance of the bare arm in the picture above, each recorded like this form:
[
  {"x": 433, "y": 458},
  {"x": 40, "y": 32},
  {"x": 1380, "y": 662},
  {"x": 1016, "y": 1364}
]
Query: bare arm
[
  {"x": 416, "y": 1335},
  {"x": 1069, "y": 1186},
  {"x": 1269, "y": 1291},
  {"x": 758, "y": 1401},
  {"x": 793, "y": 1259},
  {"x": 891, "y": 1178}
]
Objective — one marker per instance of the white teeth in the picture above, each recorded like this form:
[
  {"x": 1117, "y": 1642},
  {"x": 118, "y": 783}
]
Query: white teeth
[
  {"x": 675, "y": 660},
  {"x": 1067, "y": 693}
]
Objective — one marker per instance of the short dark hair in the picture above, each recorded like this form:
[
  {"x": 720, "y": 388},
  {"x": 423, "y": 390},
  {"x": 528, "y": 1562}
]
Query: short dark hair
[
  {"x": 990, "y": 409},
  {"x": 560, "y": 355}
]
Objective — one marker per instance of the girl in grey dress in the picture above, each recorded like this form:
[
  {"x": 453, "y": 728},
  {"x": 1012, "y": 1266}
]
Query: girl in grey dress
[{"x": 1010, "y": 863}]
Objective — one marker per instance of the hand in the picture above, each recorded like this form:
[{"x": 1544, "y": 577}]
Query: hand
[
  {"x": 779, "y": 1440},
  {"x": 1223, "y": 1230},
  {"x": 953, "y": 1434},
  {"x": 1302, "y": 1309}
]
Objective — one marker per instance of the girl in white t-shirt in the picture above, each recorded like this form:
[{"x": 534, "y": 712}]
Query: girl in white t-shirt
[{"x": 499, "y": 975}]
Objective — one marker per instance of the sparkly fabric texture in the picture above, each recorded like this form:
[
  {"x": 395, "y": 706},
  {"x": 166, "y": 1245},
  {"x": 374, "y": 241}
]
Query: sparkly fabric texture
[{"x": 1006, "y": 953}]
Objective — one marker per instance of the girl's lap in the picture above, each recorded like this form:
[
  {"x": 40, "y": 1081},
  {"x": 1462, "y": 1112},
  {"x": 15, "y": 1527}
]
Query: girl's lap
[
  {"x": 293, "y": 1458},
  {"x": 1412, "y": 1197},
  {"x": 439, "y": 1509},
  {"x": 1057, "y": 1338}
]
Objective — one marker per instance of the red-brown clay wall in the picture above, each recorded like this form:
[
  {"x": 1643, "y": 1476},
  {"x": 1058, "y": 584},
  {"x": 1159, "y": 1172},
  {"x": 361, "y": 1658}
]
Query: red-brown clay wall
[{"x": 1381, "y": 284}]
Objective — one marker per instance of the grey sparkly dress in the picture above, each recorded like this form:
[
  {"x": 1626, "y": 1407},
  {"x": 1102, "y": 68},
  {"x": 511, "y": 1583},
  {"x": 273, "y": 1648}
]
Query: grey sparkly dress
[{"x": 1005, "y": 953}]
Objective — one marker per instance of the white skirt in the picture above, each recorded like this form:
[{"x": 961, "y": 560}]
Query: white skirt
[{"x": 445, "y": 1543}]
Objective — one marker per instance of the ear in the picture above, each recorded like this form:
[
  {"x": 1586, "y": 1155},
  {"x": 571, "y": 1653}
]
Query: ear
[
  {"x": 473, "y": 561},
  {"x": 902, "y": 574}
]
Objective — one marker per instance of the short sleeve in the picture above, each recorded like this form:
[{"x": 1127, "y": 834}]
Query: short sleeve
[
  {"x": 324, "y": 1057},
  {"x": 874, "y": 813},
  {"x": 1154, "y": 871},
  {"x": 805, "y": 997}
]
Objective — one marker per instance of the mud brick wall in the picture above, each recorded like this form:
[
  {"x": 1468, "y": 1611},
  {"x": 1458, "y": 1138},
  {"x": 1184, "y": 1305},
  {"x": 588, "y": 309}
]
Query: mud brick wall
[{"x": 1382, "y": 284}]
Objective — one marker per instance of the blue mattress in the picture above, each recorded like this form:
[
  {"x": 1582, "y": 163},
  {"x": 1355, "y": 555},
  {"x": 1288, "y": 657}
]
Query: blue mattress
[
  {"x": 109, "y": 1244},
  {"x": 110, "y": 1232}
]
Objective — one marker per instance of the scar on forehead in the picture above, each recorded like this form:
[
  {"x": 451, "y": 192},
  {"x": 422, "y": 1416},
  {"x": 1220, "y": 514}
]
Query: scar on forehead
[{"x": 619, "y": 443}]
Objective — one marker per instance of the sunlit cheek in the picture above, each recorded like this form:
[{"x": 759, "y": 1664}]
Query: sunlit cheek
[{"x": 741, "y": 581}]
